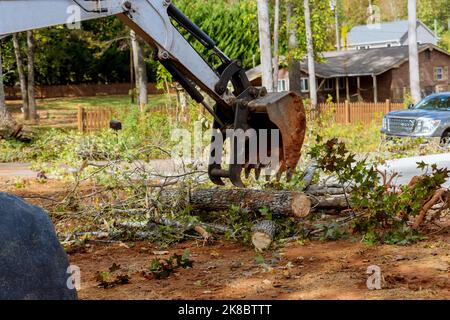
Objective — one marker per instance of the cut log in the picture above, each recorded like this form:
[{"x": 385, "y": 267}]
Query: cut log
[
  {"x": 324, "y": 191},
  {"x": 263, "y": 234},
  {"x": 287, "y": 203},
  {"x": 337, "y": 202}
]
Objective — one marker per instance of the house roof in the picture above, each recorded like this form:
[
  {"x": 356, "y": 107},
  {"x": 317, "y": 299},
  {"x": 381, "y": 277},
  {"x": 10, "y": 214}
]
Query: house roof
[
  {"x": 367, "y": 62},
  {"x": 389, "y": 32},
  {"x": 352, "y": 63}
]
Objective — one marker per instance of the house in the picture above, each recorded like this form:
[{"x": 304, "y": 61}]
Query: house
[
  {"x": 371, "y": 75},
  {"x": 388, "y": 34}
]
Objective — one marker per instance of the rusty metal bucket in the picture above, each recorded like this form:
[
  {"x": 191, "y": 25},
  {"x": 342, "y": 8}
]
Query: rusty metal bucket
[{"x": 285, "y": 111}]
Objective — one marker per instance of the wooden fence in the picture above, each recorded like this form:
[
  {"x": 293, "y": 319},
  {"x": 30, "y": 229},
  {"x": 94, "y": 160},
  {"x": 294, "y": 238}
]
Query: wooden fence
[
  {"x": 357, "y": 112},
  {"x": 343, "y": 113},
  {"x": 94, "y": 119},
  {"x": 78, "y": 90}
]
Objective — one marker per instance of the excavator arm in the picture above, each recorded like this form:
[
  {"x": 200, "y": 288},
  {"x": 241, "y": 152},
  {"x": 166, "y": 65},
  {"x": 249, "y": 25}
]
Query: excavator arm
[{"x": 242, "y": 109}]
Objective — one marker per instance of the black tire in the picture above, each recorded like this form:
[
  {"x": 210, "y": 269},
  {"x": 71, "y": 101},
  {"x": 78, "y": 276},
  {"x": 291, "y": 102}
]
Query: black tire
[{"x": 445, "y": 139}]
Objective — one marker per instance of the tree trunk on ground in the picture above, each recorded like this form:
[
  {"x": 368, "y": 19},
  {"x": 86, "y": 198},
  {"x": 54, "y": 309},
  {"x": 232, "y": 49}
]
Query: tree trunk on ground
[
  {"x": 287, "y": 203},
  {"x": 140, "y": 70},
  {"x": 414, "y": 73},
  {"x": 22, "y": 77},
  {"x": 311, "y": 63},
  {"x": 265, "y": 44},
  {"x": 31, "y": 95},
  {"x": 293, "y": 64},
  {"x": 276, "y": 63},
  {"x": 8, "y": 126}
]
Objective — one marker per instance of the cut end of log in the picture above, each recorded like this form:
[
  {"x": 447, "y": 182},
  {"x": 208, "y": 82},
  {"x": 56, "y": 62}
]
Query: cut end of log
[
  {"x": 263, "y": 234},
  {"x": 261, "y": 241},
  {"x": 301, "y": 205}
]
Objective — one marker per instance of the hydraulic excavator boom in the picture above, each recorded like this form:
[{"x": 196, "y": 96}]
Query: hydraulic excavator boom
[{"x": 244, "y": 109}]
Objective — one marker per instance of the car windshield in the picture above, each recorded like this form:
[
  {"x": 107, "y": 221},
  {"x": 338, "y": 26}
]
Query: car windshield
[{"x": 435, "y": 103}]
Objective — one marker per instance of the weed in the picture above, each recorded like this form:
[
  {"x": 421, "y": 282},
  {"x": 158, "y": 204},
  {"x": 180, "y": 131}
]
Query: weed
[{"x": 163, "y": 268}]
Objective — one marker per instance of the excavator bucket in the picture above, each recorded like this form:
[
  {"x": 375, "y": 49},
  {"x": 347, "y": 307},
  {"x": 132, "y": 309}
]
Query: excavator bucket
[{"x": 285, "y": 112}]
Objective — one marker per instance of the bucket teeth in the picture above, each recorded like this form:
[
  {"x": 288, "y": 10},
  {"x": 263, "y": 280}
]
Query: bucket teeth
[
  {"x": 283, "y": 112},
  {"x": 248, "y": 169},
  {"x": 289, "y": 174},
  {"x": 258, "y": 172}
]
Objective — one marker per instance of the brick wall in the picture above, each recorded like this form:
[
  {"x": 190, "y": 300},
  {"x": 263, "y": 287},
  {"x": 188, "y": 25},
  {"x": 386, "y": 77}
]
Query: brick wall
[{"x": 428, "y": 61}]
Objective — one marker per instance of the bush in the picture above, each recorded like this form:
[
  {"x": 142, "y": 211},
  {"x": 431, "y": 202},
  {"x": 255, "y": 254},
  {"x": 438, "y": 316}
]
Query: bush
[{"x": 387, "y": 209}]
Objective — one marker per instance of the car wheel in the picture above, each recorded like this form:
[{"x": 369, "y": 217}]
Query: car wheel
[{"x": 445, "y": 140}]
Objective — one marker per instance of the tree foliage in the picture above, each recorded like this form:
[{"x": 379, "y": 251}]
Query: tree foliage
[
  {"x": 99, "y": 52},
  {"x": 232, "y": 24}
]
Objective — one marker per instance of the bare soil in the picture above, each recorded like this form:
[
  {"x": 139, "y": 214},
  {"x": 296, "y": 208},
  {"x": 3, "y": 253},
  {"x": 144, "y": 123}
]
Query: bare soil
[{"x": 227, "y": 270}]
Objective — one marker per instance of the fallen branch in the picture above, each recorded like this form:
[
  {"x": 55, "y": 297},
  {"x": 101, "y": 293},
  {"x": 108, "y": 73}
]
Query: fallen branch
[{"x": 437, "y": 197}]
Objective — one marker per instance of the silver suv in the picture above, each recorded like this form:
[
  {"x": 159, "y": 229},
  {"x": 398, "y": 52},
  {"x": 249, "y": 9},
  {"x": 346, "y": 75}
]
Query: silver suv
[{"x": 430, "y": 118}]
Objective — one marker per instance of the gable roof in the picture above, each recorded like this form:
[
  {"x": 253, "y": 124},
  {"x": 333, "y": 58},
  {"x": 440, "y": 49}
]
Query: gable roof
[
  {"x": 353, "y": 63},
  {"x": 387, "y": 32},
  {"x": 367, "y": 62}
]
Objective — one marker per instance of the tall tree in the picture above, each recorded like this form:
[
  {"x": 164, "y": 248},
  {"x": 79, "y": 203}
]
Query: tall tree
[
  {"x": 311, "y": 57},
  {"x": 31, "y": 83},
  {"x": 2, "y": 88},
  {"x": 22, "y": 77},
  {"x": 8, "y": 126},
  {"x": 335, "y": 7},
  {"x": 276, "y": 45},
  {"x": 265, "y": 44},
  {"x": 293, "y": 62},
  {"x": 140, "y": 70},
  {"x": 414, "y": 73}
]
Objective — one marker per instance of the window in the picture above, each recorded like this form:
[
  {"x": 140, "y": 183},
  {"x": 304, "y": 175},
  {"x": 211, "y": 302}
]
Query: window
[
  {"x": 329, "y": 84},
  {"x": 305, "y": 84},
  {"x": 341, "y": 83},
  {"x": 282, "y": 85},
  {"x": 440, "y": 73},
  {"x": 440, "y": 102}
]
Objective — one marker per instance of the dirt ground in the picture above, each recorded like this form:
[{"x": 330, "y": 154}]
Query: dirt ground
[{"x": 227, "y": 270}]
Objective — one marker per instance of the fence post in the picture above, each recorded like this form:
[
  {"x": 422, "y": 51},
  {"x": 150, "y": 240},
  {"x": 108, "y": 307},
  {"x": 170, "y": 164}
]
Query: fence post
[
  {"x": 81, "y": 119},
  {"x": 388, "y": 106},
  {"x": 347, "y": 112}
]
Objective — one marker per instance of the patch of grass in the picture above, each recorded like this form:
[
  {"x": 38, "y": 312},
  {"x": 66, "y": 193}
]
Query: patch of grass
[{"x": 99, "y": 101}]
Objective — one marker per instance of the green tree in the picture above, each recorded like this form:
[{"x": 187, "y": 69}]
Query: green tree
[{"x": 232, "y": 24}]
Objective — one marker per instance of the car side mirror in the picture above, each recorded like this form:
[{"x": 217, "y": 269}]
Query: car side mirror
[{"x": 411, "y": 106}]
